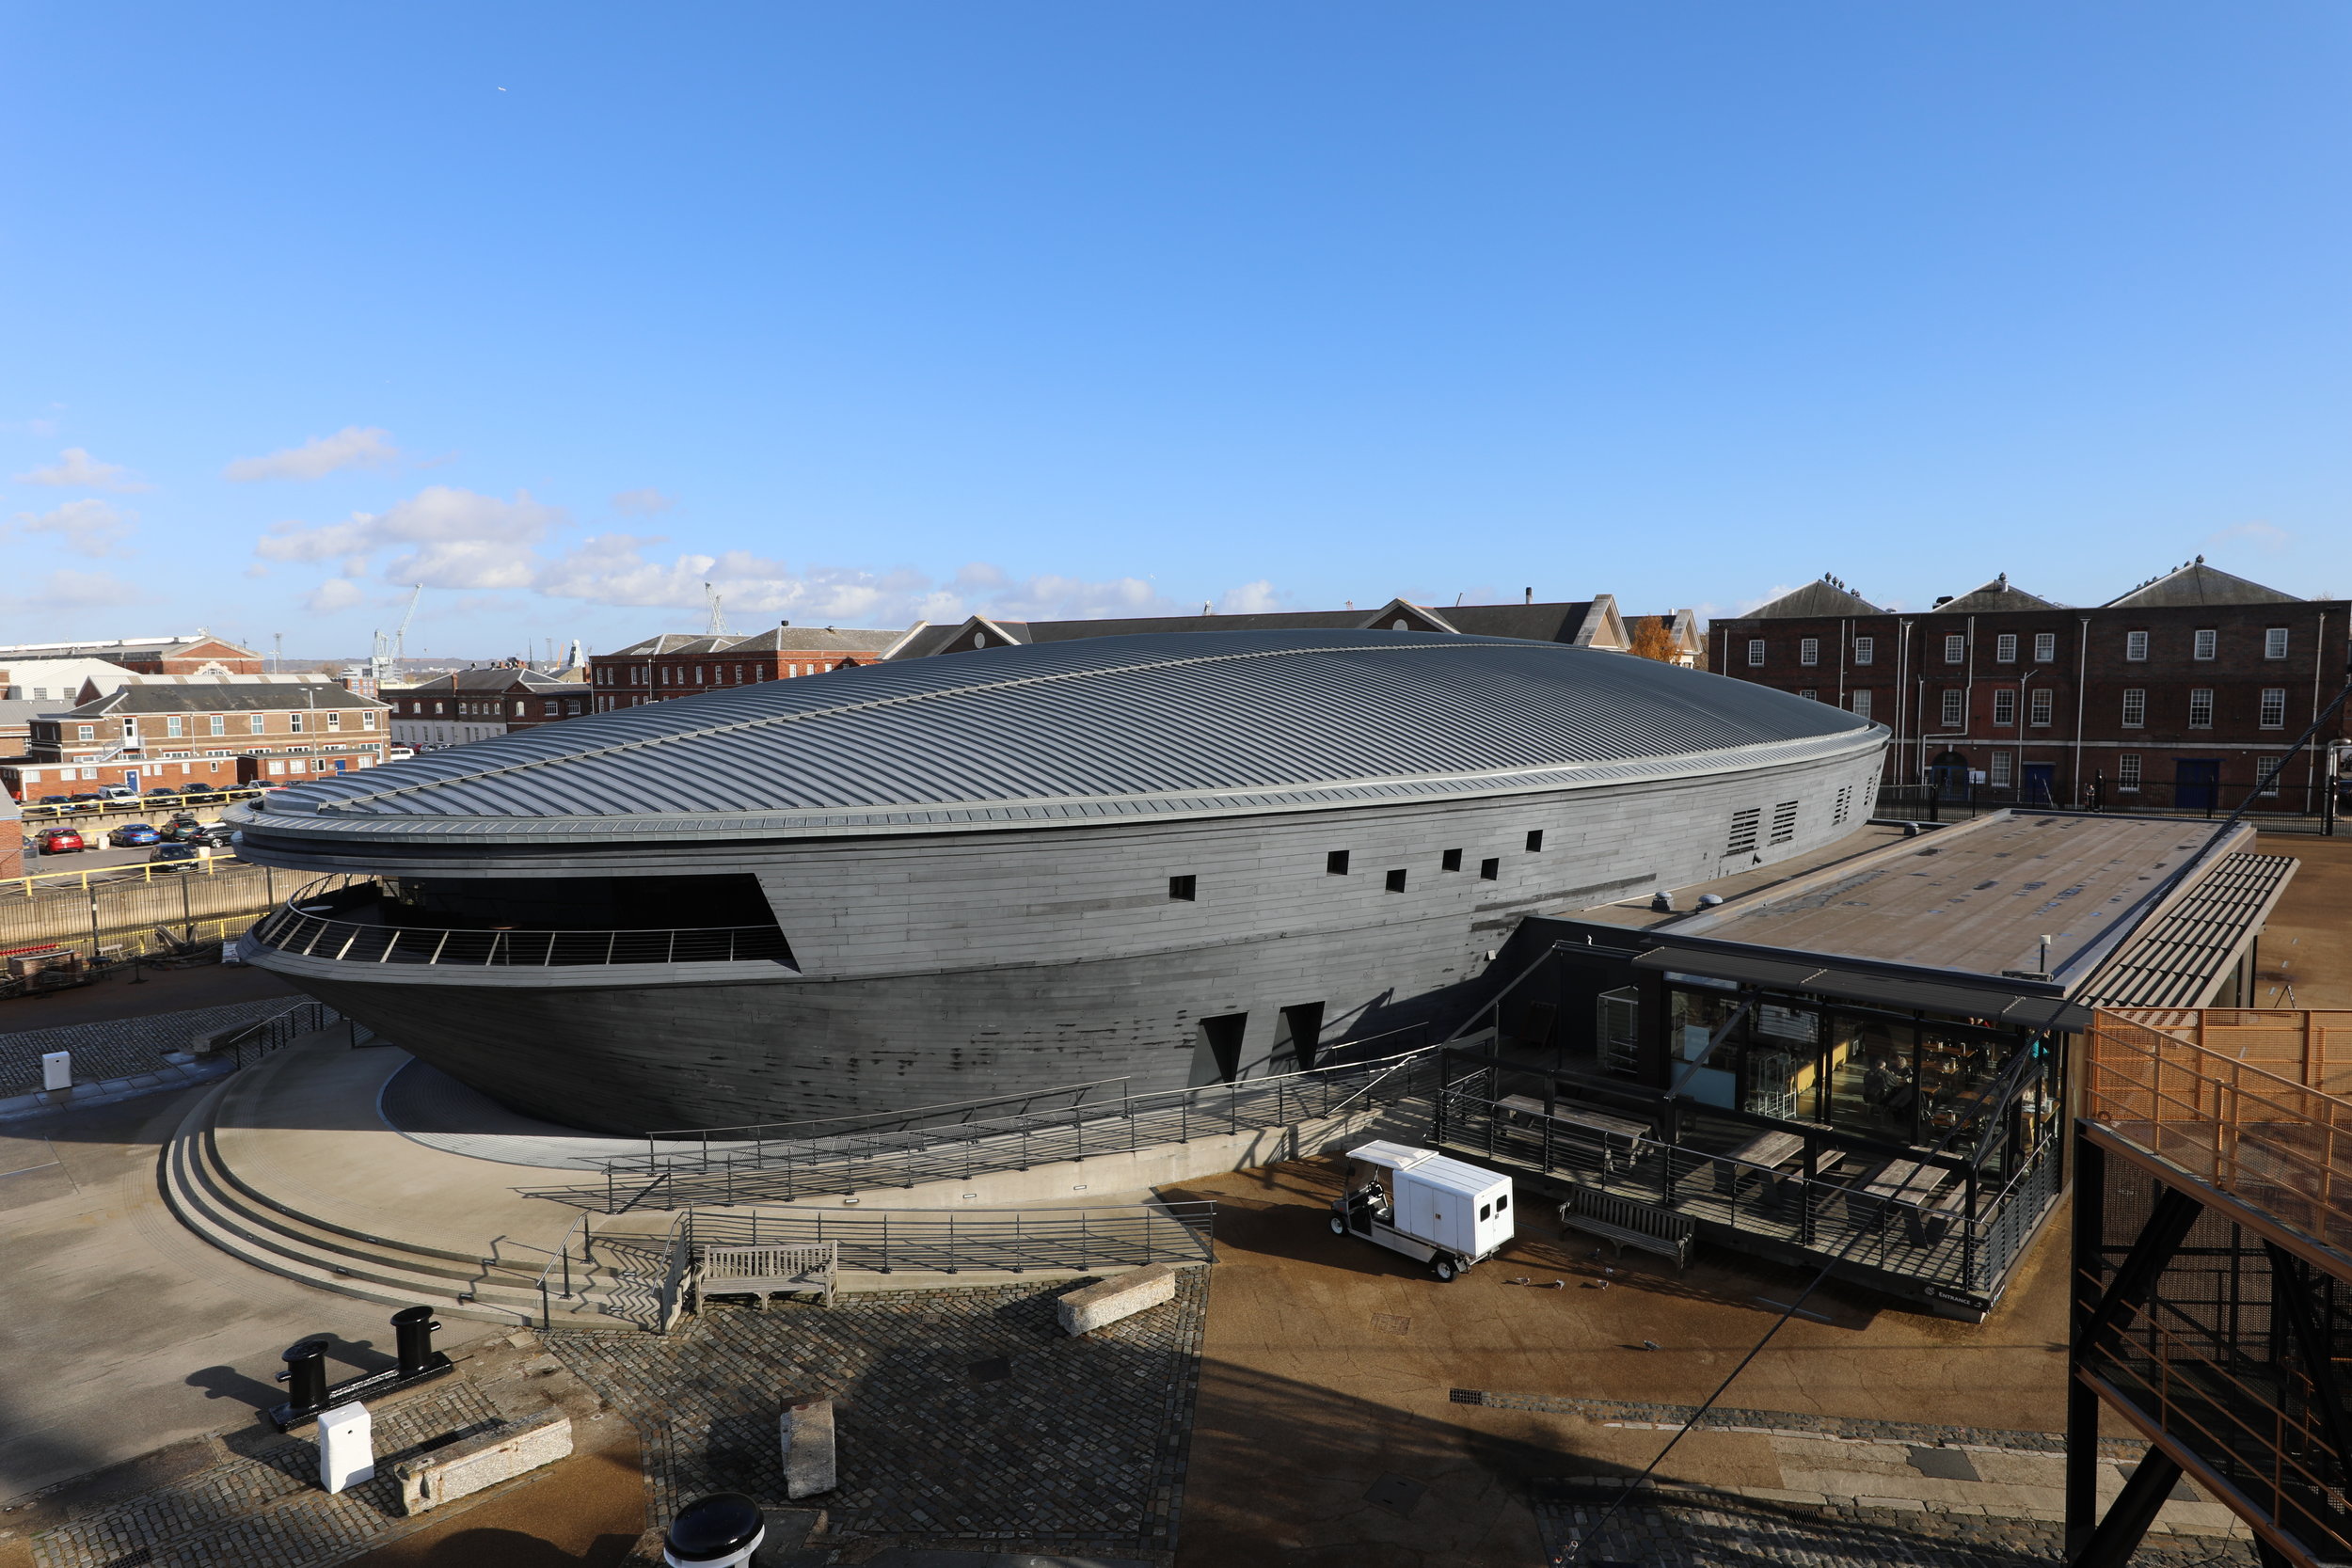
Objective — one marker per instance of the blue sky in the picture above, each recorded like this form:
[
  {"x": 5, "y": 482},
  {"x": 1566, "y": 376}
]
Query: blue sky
[{"x": 872, "y": 311}]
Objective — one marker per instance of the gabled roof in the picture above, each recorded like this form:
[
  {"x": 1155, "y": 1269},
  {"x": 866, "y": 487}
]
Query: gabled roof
[
  {"x": 668, "y": 642},
  {"x": 972, "y": 631},
  {"x": 1583, "y": 623},
  {"x": 1995, "y": 595},
  {"x": 2195, "y": 583},
  {"x": 208, "y": 698},
  {"x": 494, "y": 678},
  {"x": 814, "y": 640},
  {"x": 125, "y": 647},
  {"x": 1827, "y": 596}
]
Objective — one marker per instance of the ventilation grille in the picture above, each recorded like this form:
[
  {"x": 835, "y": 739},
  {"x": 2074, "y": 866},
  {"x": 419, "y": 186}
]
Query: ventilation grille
[
  {"x": 1743, "y": 830},
  {"x": 1843, "y": 809},
  {"x": 1784, "y": 821}
]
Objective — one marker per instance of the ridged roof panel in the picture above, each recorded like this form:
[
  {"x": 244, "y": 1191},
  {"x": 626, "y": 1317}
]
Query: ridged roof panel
[{"x": 1105, "y": 724}]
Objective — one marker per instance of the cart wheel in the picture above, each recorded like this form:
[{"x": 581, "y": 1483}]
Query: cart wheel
[
  {"x": 1339, "y": 1226},
  {"x": 1445, "y": 1270}
]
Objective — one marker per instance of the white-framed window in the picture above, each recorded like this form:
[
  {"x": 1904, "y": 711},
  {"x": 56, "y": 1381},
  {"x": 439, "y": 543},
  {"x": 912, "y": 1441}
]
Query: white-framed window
[
  {"x": 2004, "y": 705},
  {"x": 335, "y": 720},
  {"x": 1955, "y": 707},
  {"x": 1861, "y": 701},
  {"x": 2127, "y": 771},
  {"x": 2044, "y": 646},
  {"x": 2005, "y": 648},
  {"x": 1755, "y": 652},
  {"x": 1810, "y": 694},
  {"x": 548, "y": 706},
  {"x": 88, "y": 732},
  {"x": 2135, "y": 647},
  {"x": 2134, "y": 708},
  {"x": 294, "y": 722},
  {"x": 174, "y": 726},
  {"x": 1955, "y": 648},
  {"x": 2274, "y": 708},
  {"x": 89, "y": 772},
  {"x": 2201, "y": 708},
  {"x": 2205, "y": 643},
  {"x": 520, "y": 707},
  {"x": 1808, "y": 650},
  {"x": 256, "y": 722},
  {"x": 220, "y": 723},
  {"x": 277, "y": 767},
  {"x": 1865, "y": 649},
  {"x": 698, "y": 674},
  {"x": 2038, "y": 710},
  {"x": 2275, "y": 643},
  {"x": 367, "y": 719},
  {"x": 2000, "y": 771}
]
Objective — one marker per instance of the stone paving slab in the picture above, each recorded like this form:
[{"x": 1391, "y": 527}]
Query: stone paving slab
[{"x": 965, "y": 1420}]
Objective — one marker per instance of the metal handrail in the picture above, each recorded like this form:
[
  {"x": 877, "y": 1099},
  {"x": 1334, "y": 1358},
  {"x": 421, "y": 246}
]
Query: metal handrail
[
  {"x": 934, "y": 1241},
  {"x": 290, "y": 930}
]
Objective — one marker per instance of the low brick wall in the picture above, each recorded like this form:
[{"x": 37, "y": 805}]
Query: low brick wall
[{"x": 464, "y": 1467}]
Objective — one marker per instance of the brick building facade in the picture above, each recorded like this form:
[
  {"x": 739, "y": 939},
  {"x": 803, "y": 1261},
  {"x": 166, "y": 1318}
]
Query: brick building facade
[
  {"x": 140, "y": 737},
  {"x": 474, "y": 704},
  {"x": 198, "y": 653},
  {"x": 675, "y": 665},
  {"x": 2175, "y": 695}
]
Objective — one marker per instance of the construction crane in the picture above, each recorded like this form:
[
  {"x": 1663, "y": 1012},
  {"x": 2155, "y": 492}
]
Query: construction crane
[
  {"x": 718, "y": 617},
  {"x": 390, "y": 651}
]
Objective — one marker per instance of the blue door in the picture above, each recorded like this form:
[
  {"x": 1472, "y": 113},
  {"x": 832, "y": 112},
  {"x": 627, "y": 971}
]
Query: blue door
[
  {"x": 2196, "y": 785},
  {"x": 131, "y": 778},
  {"x": 2039, "y": 776}
]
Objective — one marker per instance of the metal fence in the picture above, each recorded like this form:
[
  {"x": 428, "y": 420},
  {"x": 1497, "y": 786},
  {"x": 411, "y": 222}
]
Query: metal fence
[
  {"x": 784, "y": 1170},
  {"x": 290, "y": 930},
  {"x": 277, "y": 1031},
  {"x": 123, "y": 917},
  {"x": 933, "y": 1241},
  {"x": 1939, "y": 1224},
  {"x": 2293, "y": 809}
]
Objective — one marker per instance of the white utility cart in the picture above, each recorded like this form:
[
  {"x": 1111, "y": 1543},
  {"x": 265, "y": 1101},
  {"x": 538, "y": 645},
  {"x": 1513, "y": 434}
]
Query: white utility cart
[{"x": 1415, "y": 1201}]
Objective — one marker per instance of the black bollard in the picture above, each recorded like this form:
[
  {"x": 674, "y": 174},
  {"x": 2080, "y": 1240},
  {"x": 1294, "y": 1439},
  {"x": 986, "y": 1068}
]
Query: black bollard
[
  {"x": 305, "y": 1377},
  {"x": 717, "y": 1531},
  {"x": 412, "y": 1329}
]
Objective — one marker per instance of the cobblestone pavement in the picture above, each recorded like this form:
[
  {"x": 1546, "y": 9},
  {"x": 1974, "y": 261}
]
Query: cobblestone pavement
[
  {"x": 121, "y": 1048},
  {"x": 260, "y": 1506},
  {"x": 966, "y": 1419},
  {"x": 1695, "y": 1528}
]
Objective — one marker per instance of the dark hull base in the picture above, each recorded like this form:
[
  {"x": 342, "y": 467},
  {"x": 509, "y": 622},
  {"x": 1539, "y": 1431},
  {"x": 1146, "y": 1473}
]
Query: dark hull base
[{"x": 664, "y": 1059}]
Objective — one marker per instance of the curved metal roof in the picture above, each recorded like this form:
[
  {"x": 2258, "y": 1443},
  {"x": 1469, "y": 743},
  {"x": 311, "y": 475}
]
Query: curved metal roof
[{"x": 1182, "y": 723}]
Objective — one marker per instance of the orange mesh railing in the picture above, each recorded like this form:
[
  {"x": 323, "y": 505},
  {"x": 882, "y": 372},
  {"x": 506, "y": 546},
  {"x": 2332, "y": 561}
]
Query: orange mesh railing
[{"x": 2234, "y": 1097}]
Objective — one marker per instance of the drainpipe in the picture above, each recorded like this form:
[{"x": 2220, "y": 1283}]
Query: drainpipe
[
  {"x": 2082, "y": 668},
  {"x": 1845, "y": 634},
  {"x": 2319, "y": 656}
]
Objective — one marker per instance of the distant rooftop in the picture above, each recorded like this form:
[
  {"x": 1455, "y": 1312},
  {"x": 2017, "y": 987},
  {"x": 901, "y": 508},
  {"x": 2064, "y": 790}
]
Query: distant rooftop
[
  {"x": 1827, "y": 596},
  {"x": 2195, "y": 583},
  {"x": 2000, "y": 593}
]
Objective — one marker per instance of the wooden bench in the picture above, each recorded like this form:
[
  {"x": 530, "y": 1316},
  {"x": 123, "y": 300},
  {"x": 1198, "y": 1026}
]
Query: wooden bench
[
  {"x": 765, "y": 1271},
  {"x": 1623, "y": 1223},
  {"x": 1619, "y": 1137}
]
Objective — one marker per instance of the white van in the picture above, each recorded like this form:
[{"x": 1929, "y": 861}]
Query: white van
[{"x": 1415, "y": 1201}]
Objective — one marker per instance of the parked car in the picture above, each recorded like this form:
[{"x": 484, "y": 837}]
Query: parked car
[
  {"x": 175, "y": 856},
  {"x": 58, "y": 841},
  {"x": 219, "y": 835},
  {"x": 115, "y": 792},
  {"x": 164, "y": 789},
  {"x": 132, "y": 836},
  {"x": 181, "y": 828},
  {"x": 399, "y": 753},
  {"x": 199, "y": 791}
]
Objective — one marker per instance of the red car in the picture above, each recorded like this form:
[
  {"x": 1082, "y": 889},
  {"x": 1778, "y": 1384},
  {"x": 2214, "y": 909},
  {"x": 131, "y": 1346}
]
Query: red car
[{"x": 58, "y": 841}]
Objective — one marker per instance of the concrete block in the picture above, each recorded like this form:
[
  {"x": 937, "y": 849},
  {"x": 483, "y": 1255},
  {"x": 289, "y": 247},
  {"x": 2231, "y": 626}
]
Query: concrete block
[
  {"x": 499, "y": 1454},
  {"x": 1120, "y": 1296},
  {"x": 806, "y": 1431}
]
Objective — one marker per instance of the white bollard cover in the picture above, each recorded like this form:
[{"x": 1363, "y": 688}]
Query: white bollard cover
[
  {"x": 56, "y": 1070},
  {"x": 346, "y": 1447}
]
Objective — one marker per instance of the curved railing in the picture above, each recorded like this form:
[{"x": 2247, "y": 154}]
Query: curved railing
[{"x": 300, "y": 933}]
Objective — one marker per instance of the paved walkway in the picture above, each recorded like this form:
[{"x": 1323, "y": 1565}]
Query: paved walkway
[
  {"x": 119, "y": 1332},
  {"x": 122, "y": 1047},
  {"x": 967, "y": 1420}
]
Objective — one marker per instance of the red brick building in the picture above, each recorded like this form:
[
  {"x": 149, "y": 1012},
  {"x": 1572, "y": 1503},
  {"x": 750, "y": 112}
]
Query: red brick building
[
  {"x": 474, "y": 704},
  {"x": 673, "y": 665},
  {"x": 2174, "y": 695},
  {"x": 144, "y": 735},
  {"x": 199, "y": 654}
]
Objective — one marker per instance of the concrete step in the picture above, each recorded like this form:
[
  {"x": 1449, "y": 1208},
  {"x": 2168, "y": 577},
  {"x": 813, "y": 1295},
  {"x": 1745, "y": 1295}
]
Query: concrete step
[{"x": 268, "y": 1235}]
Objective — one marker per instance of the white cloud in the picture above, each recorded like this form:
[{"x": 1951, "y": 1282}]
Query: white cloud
[
  {"x": 1250, "y": 598},
  {"x": 643, "y": 503},
  {"x": 89, "y": 527},
  {"x": 454, "y": 539},
  {"x": 1776, "y": 590},
  {"x": 76, "y": 469},
  {"x": 67, "y": 589},
  {"x": 348, "y": 448},
  {"x": 333, "y": 594},
  {"x": 613, "y": 569},
  {"x": 1053, "y": 597},
  {"x": 2263, "y": 536}
]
